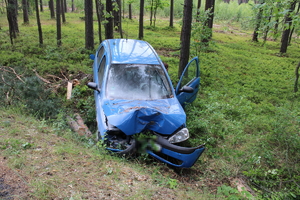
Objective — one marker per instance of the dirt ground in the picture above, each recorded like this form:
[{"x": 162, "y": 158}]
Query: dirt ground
[{"x": 12, "y": 184}]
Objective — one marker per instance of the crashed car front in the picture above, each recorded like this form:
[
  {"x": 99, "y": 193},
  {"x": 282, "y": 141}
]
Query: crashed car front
[{"x": 136, "y": 98}]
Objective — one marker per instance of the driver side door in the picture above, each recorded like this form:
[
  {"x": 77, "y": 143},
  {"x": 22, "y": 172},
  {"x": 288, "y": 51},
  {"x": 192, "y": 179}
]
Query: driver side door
[{"x": 189, "y": 78}]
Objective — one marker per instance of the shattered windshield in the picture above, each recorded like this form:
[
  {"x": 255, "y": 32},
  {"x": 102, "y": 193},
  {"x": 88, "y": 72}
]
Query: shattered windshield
[{"x": 137, "y": 82}]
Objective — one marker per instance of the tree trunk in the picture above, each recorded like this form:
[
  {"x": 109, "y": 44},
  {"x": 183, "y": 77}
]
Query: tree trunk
[
  {"x": 98, "y": 11},
  {"x": 41, "y": 6},
  {"x": 109, "y": 26},
  {"x": 89, "y": 28},
  {"x": 25, "y": 12},
  {"x": 141, "y": 23},
  {"x": 292, "y": 31},
  {"x": 38, "y": 22},
  {"x": 185, "y": 36},
  {"x": 65, "y": 6},
  {"x": 130, "y": 11},
  {"x": 58, "y": 23},
  {"x": 151, "y": 12},
  {"x": 265, "y": 37},
  {"x": 12, "y": 19},
  {"x": 51, "y": 8},
  {"x": 297, "y": 77},
  {"x": 73, "y": 7},
  {"x": 62, "y": 9},
  {"x": 117, "y": 16},
  {"x": 258, "y": 21},
  {"x": 209, "y": 5},
  {"x": 171, "y": 13},
  {"x": 286, "y": 32}
]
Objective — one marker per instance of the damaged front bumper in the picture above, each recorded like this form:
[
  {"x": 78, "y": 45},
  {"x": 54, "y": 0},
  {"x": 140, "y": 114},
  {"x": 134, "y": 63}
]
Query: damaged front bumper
[{"x": 177, "y": 156}]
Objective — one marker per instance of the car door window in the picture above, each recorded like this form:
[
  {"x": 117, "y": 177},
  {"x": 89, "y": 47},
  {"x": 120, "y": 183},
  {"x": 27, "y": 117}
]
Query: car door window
[
  {"x": 190, "y": 74},
  {"x": 101, "y": 71},
  {"x": 190, "y": 77},
  {"x": 100, "y": 54}
]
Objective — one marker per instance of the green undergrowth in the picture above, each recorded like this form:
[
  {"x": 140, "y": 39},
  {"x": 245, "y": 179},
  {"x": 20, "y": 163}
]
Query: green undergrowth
[{"x": 246, "y": 111}]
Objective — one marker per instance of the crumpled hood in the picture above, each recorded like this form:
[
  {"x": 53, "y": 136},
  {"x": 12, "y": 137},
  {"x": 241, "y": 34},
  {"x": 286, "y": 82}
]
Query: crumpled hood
[{"x": 133, "y": 116}]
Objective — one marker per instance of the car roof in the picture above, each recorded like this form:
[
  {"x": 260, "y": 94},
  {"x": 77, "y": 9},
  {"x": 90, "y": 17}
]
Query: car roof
[{"x": 130, "y": 51}]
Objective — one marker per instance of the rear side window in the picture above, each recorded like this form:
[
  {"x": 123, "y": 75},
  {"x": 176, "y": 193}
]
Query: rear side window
[{"x": 101, "y": 71}]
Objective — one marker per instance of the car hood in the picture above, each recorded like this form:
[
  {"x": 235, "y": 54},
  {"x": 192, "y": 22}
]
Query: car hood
[{"x": 133, "y": 116}]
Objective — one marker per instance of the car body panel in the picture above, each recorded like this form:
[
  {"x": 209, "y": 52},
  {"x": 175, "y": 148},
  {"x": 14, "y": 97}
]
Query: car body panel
[{"x": 163, "y": 116}]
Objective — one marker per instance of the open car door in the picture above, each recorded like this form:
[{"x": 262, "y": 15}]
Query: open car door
[{"x": 189, "y": 82}]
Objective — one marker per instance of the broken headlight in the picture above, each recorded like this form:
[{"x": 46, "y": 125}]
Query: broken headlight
[{"x": 180, "y": 136}]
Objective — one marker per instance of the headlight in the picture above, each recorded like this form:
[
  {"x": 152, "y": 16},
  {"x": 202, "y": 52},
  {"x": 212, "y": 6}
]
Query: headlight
[{"x": 180, "y": 136}]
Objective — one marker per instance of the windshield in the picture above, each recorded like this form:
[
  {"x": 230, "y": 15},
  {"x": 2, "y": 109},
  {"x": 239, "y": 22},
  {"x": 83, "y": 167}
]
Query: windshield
[{"x": 137, "y": 82}]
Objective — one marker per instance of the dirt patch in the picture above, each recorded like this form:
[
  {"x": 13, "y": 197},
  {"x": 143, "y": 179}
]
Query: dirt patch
[{"x": 12, "y": 184}]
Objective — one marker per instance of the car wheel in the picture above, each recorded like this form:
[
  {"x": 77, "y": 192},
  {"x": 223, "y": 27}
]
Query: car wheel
[
  {"x": 130, "y": 150},
  {"x": 120, "y": 145}
]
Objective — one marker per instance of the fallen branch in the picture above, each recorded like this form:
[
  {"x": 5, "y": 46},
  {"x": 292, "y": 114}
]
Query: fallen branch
[{"x": 43, "y": 79}]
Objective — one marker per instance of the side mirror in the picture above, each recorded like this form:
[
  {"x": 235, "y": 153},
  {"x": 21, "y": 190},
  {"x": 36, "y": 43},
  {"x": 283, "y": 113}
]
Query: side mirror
[
  {"x": 187, "y": 89},
  {"x": 92, "y": 56},
  {"x": 93, "y": 86}
]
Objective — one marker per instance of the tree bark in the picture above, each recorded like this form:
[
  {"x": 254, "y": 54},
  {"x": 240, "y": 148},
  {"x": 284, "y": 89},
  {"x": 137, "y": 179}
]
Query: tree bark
[
  {"x": 25, "y": 12},
  {"x": 185, "y": 36},
  {"x": 58, "y": 23},
  {"x": 141, "y": 23},
  {"x": 109, "y": 26},
  {"x": 99, "y": 18},
  {"x": 89, "y": 28},
  {"x": 51, "y": 8},
  {"x": 297, "y": 77},
  {"x": 286, "y": 32},
  {"x": 62, "y": 11},
  {"x": 38, "y": 22},
  {"x": 171, "y": 13},
  {"x": 73, "y": 7},
  {"x": 130, "y": 11},
  {"x": 12, "y": 19},
  {"x": 209, "y": 5},
  {"x": 258, "y": 22},
  {"x": 41, "y": 6}
]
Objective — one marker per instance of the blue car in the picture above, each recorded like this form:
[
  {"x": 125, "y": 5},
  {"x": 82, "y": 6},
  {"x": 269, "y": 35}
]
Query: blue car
[{"x": 134, "y": 96}]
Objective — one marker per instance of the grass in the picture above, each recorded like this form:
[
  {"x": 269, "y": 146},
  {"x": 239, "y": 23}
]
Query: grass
[{"x": 246, "y": 113}]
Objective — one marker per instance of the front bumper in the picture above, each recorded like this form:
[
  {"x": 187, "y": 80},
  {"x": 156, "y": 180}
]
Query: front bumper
[{"x": 177, "y": 156}]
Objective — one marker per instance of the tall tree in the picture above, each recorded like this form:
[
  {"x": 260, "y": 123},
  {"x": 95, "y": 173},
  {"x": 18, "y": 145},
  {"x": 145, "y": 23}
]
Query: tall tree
[
  {"x": 41, "y": 6},
  {"x": 141, "y": 23},
  {"x": 117, "y": 17},
  {"x": 38, "y": 22},
  {"x": 51, "y": 8},
  {"x": 185, "y": 36},
  {"x": 12, "y": 19},
  {"x": 62, "y": 11},
  {"x": 258, "y": 21},
  {"x": 25, "y": 12},
  {"x": 109, "y": 26},
  {"x": 89, "y": 28},
  {"x": 171, "y": 13},
  {"x": 288, "y": 23},
  {"x": 99, "y": 11},
  {"x": 210, "y": 7},
  {"x": 65, "y": 6},
  {"x": 73, "y": 6},
  {"x": 58, "y": 23}
]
